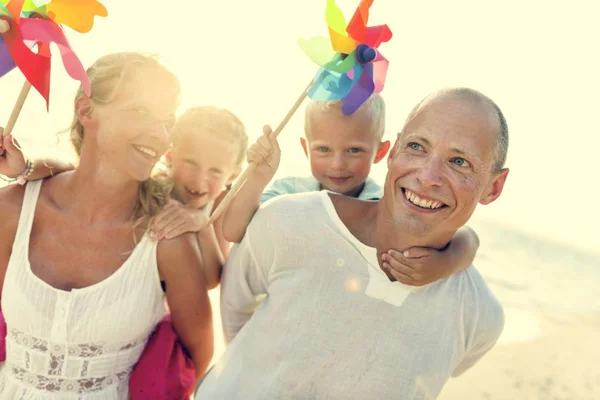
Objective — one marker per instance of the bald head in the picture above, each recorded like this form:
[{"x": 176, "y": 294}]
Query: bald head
[{"x": 483, "y": 104}]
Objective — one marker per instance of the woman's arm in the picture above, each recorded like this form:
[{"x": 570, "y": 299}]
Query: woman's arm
[
  {"x": 11, "y": 199},
  {"x": 13, "y": 162},
  {"x": 212, "y": 257},
  {"x": 180, "y": 267}
]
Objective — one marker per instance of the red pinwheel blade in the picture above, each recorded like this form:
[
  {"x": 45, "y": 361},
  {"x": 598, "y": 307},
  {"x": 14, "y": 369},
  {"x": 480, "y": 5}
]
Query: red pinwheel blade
[
  {"x": 358, "y": 30},
  {"x": 46, "y": 31},
  {"x": 358, "y": 24},
  {"x": 35, "y": 67},
  {"x": 375, "y": 35}
]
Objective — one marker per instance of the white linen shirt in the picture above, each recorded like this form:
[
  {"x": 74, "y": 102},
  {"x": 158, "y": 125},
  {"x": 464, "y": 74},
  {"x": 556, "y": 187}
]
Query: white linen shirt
[{"x": 332, "y": 326}]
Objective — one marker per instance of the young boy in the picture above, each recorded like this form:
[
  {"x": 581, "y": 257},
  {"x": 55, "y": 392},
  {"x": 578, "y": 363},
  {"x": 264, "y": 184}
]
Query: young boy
[
  {"x": 341, "y": 150},
  {"x": 209, "y": 146}
]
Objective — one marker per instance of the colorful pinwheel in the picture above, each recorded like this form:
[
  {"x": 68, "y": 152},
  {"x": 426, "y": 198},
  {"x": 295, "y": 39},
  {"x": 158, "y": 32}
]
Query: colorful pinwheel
[
  {"x": 352, "y": 68},
  {"x": 36, "y": 22}
]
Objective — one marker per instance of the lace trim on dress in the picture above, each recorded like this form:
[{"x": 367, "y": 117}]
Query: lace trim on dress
[{"x": 65, "y": 385}]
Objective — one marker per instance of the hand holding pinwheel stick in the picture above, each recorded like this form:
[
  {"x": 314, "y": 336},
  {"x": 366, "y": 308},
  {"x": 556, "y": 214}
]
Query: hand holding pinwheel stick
[
  {"x": 352, "y": 69},
  {"x": 28, "y": 23}
]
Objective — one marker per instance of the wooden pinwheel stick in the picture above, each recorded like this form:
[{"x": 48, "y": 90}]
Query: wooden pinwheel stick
[
  {"x": 242, "y": 178},
  {"x": 4, "y": 27}
]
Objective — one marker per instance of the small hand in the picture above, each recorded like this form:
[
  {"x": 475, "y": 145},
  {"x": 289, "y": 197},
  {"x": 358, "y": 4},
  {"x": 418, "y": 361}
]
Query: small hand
[
  {"x": 176, "y": 219},
  {"x": 416, "y": 266},
  {"x": 265, "y": 154},
  {"x": 12, "y": 161}
]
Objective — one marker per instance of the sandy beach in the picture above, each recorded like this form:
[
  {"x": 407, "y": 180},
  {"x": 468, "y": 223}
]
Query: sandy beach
[{"x": 563, "y": 364}]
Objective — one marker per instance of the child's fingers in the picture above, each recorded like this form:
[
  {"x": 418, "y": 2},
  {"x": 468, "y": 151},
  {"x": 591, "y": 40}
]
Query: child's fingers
[
  {"x": 177, "y": 229},
  {"x": 264, "y": 142},
  {"x": 398, "y": 266},
  {"x": 166, "y": 219},
  {"x": 261, "y": 152},
  {"x": 267, "y": 130},
  {"x": 399, "y": 276},
  {"x": 253, "y": 157},
  {"x": 410, "y": 254}
]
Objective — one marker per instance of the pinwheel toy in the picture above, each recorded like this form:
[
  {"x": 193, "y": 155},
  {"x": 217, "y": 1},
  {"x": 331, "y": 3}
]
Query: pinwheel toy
[
  {"x": 28, "y": 23},
  {"x": 352, "y": 69}
]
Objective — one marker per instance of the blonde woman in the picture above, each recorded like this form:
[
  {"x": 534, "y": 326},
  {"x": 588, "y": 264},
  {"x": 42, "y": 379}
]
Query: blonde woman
[{"x": 80, "y": 274}]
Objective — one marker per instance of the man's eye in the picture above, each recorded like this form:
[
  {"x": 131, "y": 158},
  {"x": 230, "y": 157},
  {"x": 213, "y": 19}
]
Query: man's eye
[
  {"x": 323, "y": 149},
  {"x": 415, "y": 146},
  {"x": 355, "y": 150},
  {"x": 461, "y": 162}
]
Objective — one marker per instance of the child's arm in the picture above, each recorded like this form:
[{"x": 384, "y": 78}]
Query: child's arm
[
  {"x": 265, "y": 154},
  {"x": 13, "y": 162},
  {"x": 176, "y": 219},
  {"x": 224, "y": 244},
  {"x": 420, "y": 266}
]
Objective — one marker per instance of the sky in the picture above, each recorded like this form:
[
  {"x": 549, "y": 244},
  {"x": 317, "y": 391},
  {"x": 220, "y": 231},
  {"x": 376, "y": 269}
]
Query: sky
[{"x": 537, "y": 60}]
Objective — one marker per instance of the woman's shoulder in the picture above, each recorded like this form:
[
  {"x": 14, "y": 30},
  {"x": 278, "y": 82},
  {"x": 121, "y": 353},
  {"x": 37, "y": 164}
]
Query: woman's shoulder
[{"x": 11, "y": 199}]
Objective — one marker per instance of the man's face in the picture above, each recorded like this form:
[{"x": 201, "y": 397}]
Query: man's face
[
  {"x": 341, "y": 149},
  {"x": 441, "y": 167},
  {"x": 202, "y": 166}
]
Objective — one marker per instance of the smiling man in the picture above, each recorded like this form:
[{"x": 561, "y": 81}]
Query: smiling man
[{"x": 333, "y": 325}]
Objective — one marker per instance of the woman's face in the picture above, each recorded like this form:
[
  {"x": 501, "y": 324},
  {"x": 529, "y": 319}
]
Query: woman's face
[{"x": 133, "y": 131}]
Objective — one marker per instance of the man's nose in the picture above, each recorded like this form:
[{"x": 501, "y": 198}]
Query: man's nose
[{"x": 430, "y": 173}]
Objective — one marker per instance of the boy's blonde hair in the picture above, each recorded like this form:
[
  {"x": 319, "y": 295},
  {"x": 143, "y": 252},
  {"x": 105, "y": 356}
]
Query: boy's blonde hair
[
  {"x": 106, "y": 76},
  {"x": 374, "y": 107},
  {"x": 213, "y": 121}
]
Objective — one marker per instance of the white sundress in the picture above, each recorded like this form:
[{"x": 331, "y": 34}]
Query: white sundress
[{"x": 80, "y": 344}]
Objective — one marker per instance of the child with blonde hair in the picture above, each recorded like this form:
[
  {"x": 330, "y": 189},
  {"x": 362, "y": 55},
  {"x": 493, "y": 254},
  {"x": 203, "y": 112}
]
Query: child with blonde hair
[
  {"x": 208, "y": 148},
  {"x": 341, "y": 150}
]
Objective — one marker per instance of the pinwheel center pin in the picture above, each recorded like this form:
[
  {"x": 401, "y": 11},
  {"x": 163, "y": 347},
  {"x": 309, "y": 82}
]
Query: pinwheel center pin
[{"x": 365, "y": 54}]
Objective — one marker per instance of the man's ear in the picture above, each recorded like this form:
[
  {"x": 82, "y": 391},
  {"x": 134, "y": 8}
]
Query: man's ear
[
  {"x": 381, "y": 151},
  {"x": 304, "y": 145},
  {"x": 495, "y": 187},
  {"x": 393, "y": 152}
]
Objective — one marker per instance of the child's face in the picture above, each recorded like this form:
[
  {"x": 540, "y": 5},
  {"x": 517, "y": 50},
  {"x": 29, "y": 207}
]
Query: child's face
[
  {"x": 202, "y": 166},
  {"x": 341, "y": 150}
]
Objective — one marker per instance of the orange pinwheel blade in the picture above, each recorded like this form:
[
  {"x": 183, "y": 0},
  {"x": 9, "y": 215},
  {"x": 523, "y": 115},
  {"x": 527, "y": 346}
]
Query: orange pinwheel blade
[{"x": 76, "y": 14}]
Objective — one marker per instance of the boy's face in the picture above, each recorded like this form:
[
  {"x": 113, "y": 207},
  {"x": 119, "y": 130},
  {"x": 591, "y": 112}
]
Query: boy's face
[
  {"x": 341, "y": 150},
  {"x": 202, "y": 166}
]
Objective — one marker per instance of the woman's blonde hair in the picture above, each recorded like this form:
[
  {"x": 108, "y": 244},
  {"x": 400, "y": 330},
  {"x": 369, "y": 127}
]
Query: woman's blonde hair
[{"x": 106, "y": 76}]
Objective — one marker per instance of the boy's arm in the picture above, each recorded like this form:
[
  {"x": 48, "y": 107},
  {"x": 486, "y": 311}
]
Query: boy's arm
[
  {"x": 420, "y": 266},
  {"x": 265, "y": 155}
]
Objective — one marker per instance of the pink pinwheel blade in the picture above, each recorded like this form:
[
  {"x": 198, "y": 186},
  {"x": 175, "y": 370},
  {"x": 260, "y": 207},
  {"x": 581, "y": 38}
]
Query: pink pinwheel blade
[
  {"x": 46, "y": 31},
  {"x": 380, "y": 67}
]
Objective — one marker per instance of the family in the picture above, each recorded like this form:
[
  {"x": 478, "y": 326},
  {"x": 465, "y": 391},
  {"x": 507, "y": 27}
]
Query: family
[{"x": 332, "y": 287}]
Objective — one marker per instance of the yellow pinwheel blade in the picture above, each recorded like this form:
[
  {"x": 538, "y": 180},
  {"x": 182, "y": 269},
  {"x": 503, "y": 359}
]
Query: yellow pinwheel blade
[
  {"x": 318, "y": 49},
  {"x": 341, "y": 43},
  {"x": 76, "y": 14}
]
